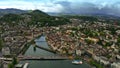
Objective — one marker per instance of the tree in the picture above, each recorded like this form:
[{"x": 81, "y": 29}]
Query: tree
[
  {"x": 1, "y": 43},
  {"x": 34, "y": 48},
  {"x": 100, "y": 42},
  {"x": 118, "y": 41},
  {"x": 10, "y": 65},
  {"x": 108, "y": 44},
  {"x": 89, "y": 41},
  {"x": 14, "y": 61},
  {"x": 94, "y": 63}
]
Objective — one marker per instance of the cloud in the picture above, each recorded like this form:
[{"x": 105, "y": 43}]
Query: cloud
[
  {"x": 90, "y": 8},
  {"x": 31, "y": 5},
  {"x": 70, "y": 7},
  {"x": 66, "y": 6}
]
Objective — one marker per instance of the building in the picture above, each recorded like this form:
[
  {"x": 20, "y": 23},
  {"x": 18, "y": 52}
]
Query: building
[
  {"x": 5, "y": 51},
  {"x": 115, "y": 65},
  {"x": 78, "y": 52}
]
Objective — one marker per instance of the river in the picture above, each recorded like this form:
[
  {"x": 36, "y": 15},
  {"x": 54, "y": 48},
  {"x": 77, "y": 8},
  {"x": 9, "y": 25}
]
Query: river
[{"x": 48, "y": 63}]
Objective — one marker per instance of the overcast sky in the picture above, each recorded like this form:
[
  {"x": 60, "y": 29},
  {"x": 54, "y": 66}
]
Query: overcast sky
[{"x": 104, "y": 6}]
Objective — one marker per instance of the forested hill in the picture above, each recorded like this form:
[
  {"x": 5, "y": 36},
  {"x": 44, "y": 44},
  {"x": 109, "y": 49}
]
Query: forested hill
[
  {"x": 34, "y": 18},
  {"x": 11, "y": 10}
]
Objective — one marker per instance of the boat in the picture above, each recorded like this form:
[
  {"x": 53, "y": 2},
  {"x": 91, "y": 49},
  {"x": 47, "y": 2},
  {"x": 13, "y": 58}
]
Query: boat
[
  {"x": 77, "y": 62},
  {"x": 26, "y": 65}
]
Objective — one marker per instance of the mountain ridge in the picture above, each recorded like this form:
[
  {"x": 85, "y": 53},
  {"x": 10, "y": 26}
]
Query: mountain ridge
[{"x": 12, "y": 11}]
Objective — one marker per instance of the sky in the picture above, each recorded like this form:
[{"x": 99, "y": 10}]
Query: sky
[{"x": 66, "y": 6}]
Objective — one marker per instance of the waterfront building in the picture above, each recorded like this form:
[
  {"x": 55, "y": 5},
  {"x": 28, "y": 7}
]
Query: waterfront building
[
  {"x": 5, "y": 51},
  {"x": 115, "y": 65},
  {"x": 78, "y": 52}
]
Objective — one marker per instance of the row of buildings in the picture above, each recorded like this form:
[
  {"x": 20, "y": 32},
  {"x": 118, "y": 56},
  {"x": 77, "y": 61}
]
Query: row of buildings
[{"x": 99, "y": 39}]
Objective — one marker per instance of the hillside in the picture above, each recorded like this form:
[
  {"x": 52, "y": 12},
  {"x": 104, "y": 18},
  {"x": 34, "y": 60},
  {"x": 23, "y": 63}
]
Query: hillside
[
  {"x": 35, "y": 18},
  {"x": 11, "y": 10}
]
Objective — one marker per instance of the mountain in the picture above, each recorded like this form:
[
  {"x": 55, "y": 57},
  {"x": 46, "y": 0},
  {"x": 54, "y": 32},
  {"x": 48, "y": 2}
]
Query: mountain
[
  {"x": 11, "y": 10},
  {"x": 38, "y": 12},
  {"x": 98, "y": 15},
  {"x": 33, "y": 18}
]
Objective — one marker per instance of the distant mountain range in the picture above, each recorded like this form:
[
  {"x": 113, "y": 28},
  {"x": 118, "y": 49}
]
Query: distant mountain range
[
  {"x": 12, "y": 11},
  {"x": 99, "y": 15},
  {"x": 18, "y": 11}
]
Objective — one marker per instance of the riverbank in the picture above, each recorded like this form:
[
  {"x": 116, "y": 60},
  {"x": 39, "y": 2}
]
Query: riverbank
[
  {"x": 27, "y": 44},
  {"x": 60, "y": 46},
  {"x": 48, "y": 63},
  {"x": 89, "y": 60}
]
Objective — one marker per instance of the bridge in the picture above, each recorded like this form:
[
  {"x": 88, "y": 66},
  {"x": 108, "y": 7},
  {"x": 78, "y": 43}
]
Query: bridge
[
  {"x": 45, "y": 49},
  {"x": 43, "y": 58},
  {"x": 37, "y": 58},
  {"x": 6, "y": 59},
  {"x": 39, "y": 41}
]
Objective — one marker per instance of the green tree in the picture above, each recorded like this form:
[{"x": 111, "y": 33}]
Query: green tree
[
  {"x": 100, "y": 42},
  {"x": 118, "y": 41},
  {"x": 14, "y": 61},
  {"x": 108, "y": 43},
  {"x": 34, "y": 48},
  {"x": 1, "y": 43},
  {"x": 89, "y": 41},
  {"x": 97, "y": 65},
  {"x": 10, "y": 65}
]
